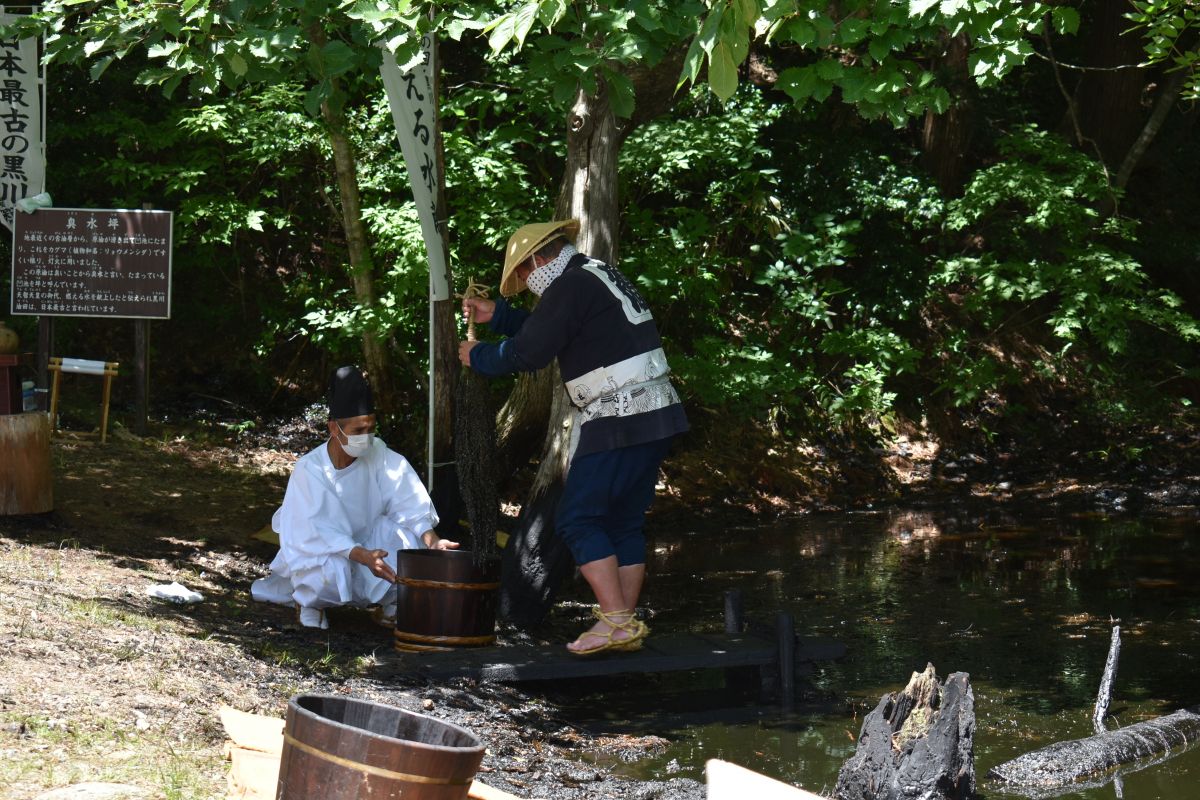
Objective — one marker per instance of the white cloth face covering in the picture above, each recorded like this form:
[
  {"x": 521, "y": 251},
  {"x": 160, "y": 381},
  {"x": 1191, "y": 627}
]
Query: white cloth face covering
[{"x": 540, "y": 279}]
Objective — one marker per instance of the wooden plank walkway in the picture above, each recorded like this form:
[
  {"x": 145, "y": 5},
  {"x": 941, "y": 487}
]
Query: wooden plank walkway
[{"x": 661, "y": 653}]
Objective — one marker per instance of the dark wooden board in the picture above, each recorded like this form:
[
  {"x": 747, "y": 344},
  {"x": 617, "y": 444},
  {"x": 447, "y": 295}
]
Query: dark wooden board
[{"x": 666, "y": 653}]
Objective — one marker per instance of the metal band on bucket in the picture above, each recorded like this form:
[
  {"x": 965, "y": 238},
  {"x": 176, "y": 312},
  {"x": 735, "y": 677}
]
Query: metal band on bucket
[
  {"x": 367, "y": 768},
  {"x": 408, "y": 647},
  {"x": 467, "y": 640},
  {"x": 422, "y": 584}
]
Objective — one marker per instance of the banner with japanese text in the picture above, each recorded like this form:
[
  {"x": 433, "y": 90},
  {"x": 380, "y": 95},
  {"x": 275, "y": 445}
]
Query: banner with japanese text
[
  {"x": 22, "y": 123},
  {"x": 410, "y": 95}
]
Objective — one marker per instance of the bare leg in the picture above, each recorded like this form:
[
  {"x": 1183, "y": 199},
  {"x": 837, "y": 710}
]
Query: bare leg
[
  {"x": 607, "y": 582},
  {"x": 631, "y": 578},
  {"x": 604, "y": 578}
]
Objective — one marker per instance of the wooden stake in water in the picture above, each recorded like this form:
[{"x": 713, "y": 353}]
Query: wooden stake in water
[{"x": 1104, "y": 696}]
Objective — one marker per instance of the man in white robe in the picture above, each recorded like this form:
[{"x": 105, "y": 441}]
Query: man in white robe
[{"x": 350, "y": 505}]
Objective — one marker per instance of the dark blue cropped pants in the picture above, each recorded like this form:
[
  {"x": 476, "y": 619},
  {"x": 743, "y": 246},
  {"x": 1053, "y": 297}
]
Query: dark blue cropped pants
[{"x": 603, "y": 507}]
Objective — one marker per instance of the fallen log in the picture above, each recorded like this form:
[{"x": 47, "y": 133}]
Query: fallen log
[
  {"x": 1073, "y": 762},
  {"x": 918, "y": 743}
]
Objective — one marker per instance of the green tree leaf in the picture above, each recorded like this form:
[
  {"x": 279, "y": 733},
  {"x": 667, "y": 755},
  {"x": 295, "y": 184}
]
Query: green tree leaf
[
  {"x": 1065, "y": 19},
  {"x": 722, "y": 72},
  {"x": 621, "y": 95}
]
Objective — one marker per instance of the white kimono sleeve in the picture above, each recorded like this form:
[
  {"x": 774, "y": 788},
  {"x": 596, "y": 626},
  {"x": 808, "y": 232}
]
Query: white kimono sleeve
[
  {"x": 312, "y": 522},
  {"x": 406, "y": 504}
]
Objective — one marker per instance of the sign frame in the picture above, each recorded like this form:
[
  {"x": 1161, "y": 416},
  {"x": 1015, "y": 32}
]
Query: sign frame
[{"x": 159, "y": 309}]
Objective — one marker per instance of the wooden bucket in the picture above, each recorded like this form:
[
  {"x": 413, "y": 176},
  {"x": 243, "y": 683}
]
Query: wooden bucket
[
  {"x": 444, "y": 601},
  {"x": 339, "y": 748},
  {"x": 26, "y": 481}
]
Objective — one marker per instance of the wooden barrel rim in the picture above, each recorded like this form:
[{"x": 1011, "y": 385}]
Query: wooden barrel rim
[
  {"x": 358, "y": 766},
  {"x": 467, "y": 640},
  {"x": 421, "y": 648},
  {"x": 424, "y": 584},
  {"x": 299, "y": 710}
]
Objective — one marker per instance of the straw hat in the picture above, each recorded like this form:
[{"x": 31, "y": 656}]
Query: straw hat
[{"x": 527, "y": 240}]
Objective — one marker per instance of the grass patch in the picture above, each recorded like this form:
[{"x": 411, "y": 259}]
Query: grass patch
[
  {"x": 56, "y": 751},
  {"x": 325, "y": 662}
]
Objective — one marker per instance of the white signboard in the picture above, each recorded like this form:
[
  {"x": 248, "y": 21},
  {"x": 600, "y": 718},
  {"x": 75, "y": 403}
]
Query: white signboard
[
  {"x": 22, "y": 117},
  {"x": 410, "y": 95}
]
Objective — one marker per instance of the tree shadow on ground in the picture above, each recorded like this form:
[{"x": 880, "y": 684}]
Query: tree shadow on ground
[{"x": 151, "y": 512}]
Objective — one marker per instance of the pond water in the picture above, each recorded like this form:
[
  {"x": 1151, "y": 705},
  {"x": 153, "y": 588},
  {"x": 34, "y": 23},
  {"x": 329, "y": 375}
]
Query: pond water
[{"x": 1024, "y": 605}]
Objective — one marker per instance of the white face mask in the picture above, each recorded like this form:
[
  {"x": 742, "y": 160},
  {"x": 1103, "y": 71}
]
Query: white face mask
[
  {"x": 540, "y": 279},
  {"x": 357, "y": 445}
]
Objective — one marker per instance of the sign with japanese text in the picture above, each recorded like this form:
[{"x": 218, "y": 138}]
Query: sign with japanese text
[
  {"x": 89, "y": 262},
  {"x": 410, "y": 95},
  {"x": 22, "y": 117}
]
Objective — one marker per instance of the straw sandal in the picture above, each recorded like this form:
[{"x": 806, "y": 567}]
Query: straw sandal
[
  {"x": 636, "y": 629},
  {"x": 634, "y": 642}
]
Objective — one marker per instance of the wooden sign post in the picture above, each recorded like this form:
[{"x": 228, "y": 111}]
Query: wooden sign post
[{"x": 90, "y": 262}]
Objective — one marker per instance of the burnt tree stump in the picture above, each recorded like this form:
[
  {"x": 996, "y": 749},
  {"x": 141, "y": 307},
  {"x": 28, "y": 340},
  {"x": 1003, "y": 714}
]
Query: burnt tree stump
[{"x": 918, "y": 743}]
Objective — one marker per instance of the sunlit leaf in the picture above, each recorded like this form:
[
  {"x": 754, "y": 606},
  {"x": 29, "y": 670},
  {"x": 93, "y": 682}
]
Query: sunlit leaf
[{"x": 722, "y": 72}]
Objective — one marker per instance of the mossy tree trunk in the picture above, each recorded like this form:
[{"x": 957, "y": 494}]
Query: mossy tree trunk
[{"x": 361, "y": 263}]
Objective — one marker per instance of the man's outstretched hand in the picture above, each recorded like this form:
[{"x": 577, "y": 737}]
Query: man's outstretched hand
[
  {"x": 434, "y": 542},
  {"x": 376, "y": 561}
]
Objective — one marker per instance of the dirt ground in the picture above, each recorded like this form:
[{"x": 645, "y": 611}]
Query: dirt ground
[{"x": 100, "y": 682}]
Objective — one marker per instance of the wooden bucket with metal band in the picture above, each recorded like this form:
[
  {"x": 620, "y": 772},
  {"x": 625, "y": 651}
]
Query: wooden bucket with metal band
[
  {"x": 444, "y": 601},
  {"x": 339, "y": 748}
]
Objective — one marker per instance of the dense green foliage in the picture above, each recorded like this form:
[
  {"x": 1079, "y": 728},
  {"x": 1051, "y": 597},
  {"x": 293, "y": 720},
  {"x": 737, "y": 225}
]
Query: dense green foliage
[
  {"x": 806, "y": 268},
  {"x": 814, "y": 285}
]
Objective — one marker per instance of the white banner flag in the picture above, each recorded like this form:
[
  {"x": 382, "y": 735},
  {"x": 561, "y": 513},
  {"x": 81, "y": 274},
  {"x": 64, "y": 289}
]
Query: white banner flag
[
  {"x": 22, "y": 130},
  {"x": 410, "y": 95}
]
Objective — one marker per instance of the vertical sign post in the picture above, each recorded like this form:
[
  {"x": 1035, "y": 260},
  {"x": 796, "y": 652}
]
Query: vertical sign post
[
  {"x": 22, "y": 121},
  {"x": 410, "y": 93},
  {"x": 23, "y": 142}
]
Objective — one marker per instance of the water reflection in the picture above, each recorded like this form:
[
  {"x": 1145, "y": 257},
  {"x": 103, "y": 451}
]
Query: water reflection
[{"x": 1025, "y": 605}]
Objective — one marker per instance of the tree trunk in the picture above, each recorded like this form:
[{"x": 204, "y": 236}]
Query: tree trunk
[
  {"x": 521, "y": 421},
  {"x": 1167, "y": 97},
  {"x": 358, "y": 251},
  {"x": 946, "y": 137},
  {"x": 444, "y": 328},
  {"x": 1109, "y": 103},
  {"x": 536, "y": 561}
]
